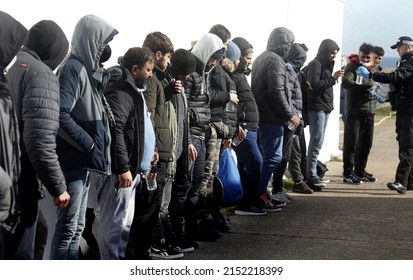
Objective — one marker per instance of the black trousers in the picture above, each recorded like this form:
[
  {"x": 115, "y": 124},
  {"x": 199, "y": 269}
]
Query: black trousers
[
  {"x": 404, "y": 130},
  {"x": 146, "y": 216},
  {"x": 358, "y": 140}
]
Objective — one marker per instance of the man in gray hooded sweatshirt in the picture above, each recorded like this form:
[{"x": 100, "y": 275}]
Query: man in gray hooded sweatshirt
[
  {"x": 83, "y": 140},
  {"x": 270, "y": 87}
]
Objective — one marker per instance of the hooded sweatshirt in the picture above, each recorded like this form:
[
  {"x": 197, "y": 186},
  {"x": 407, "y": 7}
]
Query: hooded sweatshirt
[
  {"x": 319, "y": 75},
  {"x": 83, "y": 140},
  {"x": 198, "y": 83}
]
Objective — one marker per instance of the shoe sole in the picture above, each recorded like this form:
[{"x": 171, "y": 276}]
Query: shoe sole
[
  {"x": 367, "y": 180},
  {"x": 169, "y": 257},
  {"x": 248, "y": 213},
  {"x": 272, "y": 210},
  {"x": 303, "y": 191},
  {"x": 165, "y": 257},
  {"x": 185, "y": 250},
  {"x": 279, "y": 205},
  {"x": 348, "y": 181}
]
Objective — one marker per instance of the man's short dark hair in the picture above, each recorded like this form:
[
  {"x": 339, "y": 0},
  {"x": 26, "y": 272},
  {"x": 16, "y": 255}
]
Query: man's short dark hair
[
  {"x": 379, "y": 51},
  {"x": 158, "y": 42},
  {"x": 366, "y": 48},
  {"x": 221, "y": 31},
  {"x": 136, "y": 56}
]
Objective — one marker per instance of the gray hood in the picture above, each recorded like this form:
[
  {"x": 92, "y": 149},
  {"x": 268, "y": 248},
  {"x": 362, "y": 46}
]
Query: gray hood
[
  {"x": 206, "y": 46},
  {"x": 90, "y": 37}
]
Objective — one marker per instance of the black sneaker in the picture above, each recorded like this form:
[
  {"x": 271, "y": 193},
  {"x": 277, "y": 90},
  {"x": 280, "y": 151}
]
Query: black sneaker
[
  {"x": 183, "y": 247},
  {"x": 205, "y": 234},
  {"x": 397, "y": 187},
  {"x": 269, "y": 207},
  {"x": 367, "y": 177},
  {"x": 277, "y": 203},
  {"x": 164, "y": 252},
  {"x": 185, "y": 239},
  {"x": 250, "y": 211},
  {"x": 351, "y": 179}
]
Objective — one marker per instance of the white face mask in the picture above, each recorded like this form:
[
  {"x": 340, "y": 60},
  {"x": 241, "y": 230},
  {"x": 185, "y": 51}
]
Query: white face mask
[
  {"x": 366, "y": 64},
  {"x": 10, "y": 65}
]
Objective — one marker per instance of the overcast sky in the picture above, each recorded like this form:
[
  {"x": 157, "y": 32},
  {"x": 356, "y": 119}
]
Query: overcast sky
[{"x": 378, "y": 22}]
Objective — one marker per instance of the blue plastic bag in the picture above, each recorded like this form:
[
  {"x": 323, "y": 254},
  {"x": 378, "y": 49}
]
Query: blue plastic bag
[{"x": 229, "y": 176}]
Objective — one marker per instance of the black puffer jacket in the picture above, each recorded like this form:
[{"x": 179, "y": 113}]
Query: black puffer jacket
[
  {"x": 232, "y": 116},
  {"x": 221, "y": 84},
  {"x": 295, "y": 60},
  {"x": 197, "y": 86},
  {"x": 35, "y": 90},
  {"x": 128, "y": 134},
  {"x": 247, "y": 109},
  {"x": 402, "y": 79},
  {"x": 269, "y": 79},
  {"x": 12, "y": 36},
  {"x": 319, "y": 75}
]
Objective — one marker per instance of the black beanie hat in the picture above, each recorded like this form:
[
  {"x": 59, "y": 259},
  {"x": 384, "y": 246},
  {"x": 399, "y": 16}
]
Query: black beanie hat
[
  {"x": 183, "y": 62},
  {"x": 243, "y": 45}
]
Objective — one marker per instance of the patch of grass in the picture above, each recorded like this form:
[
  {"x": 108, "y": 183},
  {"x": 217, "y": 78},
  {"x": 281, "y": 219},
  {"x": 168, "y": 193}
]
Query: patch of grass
[
  {"x": 384, "y": 110},
  {"x": 288, "y": 183},
  {"x": 336, "y": 159}
]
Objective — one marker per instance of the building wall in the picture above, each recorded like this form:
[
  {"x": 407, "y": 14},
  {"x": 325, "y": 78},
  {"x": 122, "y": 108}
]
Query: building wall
[{"x": 187, "y": 20}]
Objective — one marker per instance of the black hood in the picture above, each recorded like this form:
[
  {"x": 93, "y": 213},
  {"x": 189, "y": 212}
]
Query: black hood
[
  {"x": 280, "y": 41},
  {"x": 12, "y": 36},
  {"x": 296, "y": 56},
  {"x": 49, "y": 42},
  {"x": 327, "y": 46}
]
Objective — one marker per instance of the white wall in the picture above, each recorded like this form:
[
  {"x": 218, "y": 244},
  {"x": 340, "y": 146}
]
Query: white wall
[{"x": 187, "y": 20}]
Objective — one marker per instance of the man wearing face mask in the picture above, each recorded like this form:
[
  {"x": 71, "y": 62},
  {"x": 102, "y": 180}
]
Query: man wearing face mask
[
  {"x": 321, "y": 79},
  {"x": 360, "y": 110}
]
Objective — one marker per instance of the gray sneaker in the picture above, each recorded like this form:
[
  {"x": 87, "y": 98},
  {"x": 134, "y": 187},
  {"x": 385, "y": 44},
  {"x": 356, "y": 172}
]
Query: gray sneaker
[
  {"x": 397, "y": 187},
  {"x": 281, "y": 197}
]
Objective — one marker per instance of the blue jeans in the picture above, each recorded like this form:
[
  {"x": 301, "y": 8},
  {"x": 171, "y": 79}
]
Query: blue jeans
[
  {"x": 271, "y": 140},
  {"x": 318, "y": 123},
  {"x": 70, "y": 221},
  {"x": 249, "y": 166}
]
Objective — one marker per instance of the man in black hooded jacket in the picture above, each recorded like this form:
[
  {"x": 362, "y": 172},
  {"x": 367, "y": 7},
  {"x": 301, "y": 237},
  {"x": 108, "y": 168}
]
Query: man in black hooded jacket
[
  {"x": 321, "y": 80},
  {"x": 35, "y": 91}
]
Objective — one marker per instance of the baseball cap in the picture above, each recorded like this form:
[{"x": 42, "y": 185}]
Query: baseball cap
[{"x": 404, "y": 40}]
